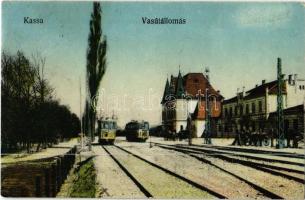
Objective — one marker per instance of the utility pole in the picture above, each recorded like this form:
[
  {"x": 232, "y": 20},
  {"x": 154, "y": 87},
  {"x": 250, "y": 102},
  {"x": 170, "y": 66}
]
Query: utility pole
[
  {"x": 189, "y": 122},
  {"x": 280, "y": 113},
  {"x": 80, "y": 114},
  {"x": 304, "y": 119},
  {"x": 207, "y": 111}
]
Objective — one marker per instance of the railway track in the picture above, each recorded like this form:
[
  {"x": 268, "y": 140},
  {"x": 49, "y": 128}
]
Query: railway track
[
  {"x": 221, "y": 152},
  {"x": 137, "y": 183},
  {"x": 146, "y": 188},
  {"x": 255, "y": 151},
  {"x": 288, "y": 163},
  {"x": 274, "y": 170}
]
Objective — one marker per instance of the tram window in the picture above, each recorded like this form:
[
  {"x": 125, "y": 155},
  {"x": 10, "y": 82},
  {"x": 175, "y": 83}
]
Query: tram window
[
  {"x": 114, "y": 125},
  {"x": 146, "y": 126},
  {"x": 132, "y": 126}
]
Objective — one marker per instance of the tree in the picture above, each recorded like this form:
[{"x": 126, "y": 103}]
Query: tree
[
  {"x": 30, "y": 114},
  {"x": 95, "y": 68}
]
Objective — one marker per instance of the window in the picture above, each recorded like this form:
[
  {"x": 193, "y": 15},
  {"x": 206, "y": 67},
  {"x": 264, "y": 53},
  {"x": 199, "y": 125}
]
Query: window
[
  {"x": 253, "y": 126},
  {"x": 260, "y": 106},
  {"x": 231, "y": 111},
  {"x": 241, "y": 110},
  {"x": 226, "y": 112},
  {"x": 300, "y": 87},
  {"x": 145, "y": 126},
  {"x": 236, "y": 110},
  {"x": 247, "y": 109},
  {"x": 295, "y": 124},
  {"x": 253, "y": 107},
  {"x": 286, "y": 126}
]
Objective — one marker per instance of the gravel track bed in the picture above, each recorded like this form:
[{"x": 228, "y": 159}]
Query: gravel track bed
[
  {"x": 157, "y": 182},
  {"x": 272, "y": 157},
  {"x": 300, "y": 176},
  {"x": 195, "y": 170},
  {"x": 272, "y": 152},
  {"x": 283, "y": 187},
  {"x": 288, "y": 166},
  {"x": 112, "y": 181}
]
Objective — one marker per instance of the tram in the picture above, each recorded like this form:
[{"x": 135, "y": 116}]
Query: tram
[
  {"x": 107, "y": 130},
  {"x": 137, "y": 131}
]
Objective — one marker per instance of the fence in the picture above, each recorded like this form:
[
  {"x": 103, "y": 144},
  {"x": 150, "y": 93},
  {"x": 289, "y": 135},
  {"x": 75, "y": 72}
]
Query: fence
[{"x": 41, "y": 178}]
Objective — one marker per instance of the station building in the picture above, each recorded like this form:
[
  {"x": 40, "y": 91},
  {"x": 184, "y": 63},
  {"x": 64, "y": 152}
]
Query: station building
[
  {"x": 184, "y": 100},
  {"x": 255, "y": 109}
]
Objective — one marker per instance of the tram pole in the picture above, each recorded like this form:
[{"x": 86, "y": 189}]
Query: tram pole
[
  {"x": 189, "y": 122},
  {"x": 208, "y": 139},
  {"x": 280, "y": 113},
  {"x": 80, "y": 114},
  {"x": 208, "y": 121}
]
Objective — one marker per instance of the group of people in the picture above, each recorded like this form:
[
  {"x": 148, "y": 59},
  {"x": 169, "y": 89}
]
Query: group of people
[
  {"x": 260, "y": 138},
  {"x": 170, "y": 134}
]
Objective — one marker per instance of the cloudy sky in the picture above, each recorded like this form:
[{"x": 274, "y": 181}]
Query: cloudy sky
[{"x": 239, "y": 42}]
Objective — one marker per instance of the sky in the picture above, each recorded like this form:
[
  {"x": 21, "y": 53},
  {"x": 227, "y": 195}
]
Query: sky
[{"x": 238, "y": 42}]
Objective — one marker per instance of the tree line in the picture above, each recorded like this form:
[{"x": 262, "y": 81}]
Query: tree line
[{"x": 31, "y": 116}]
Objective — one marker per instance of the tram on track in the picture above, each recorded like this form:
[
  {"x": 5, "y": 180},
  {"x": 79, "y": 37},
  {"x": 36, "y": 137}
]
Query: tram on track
[
  {"x": 107, "y": 130},
  {"x": 137, "y": 131}
]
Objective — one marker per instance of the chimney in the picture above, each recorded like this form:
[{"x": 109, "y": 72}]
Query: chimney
[
  {"x": 295, "y": 78},
  {"x": 256, "y": 85},
  {"x": 243, "y": 92},
  {"x": 290, "y": 79},
  {"x": 263, "y": 82}
]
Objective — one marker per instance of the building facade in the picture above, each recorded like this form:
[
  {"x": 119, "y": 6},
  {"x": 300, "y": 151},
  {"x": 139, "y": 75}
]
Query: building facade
[
  {"x": 184, "y": 100},
  {"x": 254, "y": 109}
]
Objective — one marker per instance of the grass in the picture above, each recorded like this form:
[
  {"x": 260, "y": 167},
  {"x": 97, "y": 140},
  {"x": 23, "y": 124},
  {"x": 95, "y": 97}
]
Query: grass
[{"x": 85, "y": 180}]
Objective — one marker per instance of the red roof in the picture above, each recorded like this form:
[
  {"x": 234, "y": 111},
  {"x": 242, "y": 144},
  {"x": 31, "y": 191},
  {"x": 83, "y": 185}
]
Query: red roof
[
  {"x": 195, "y": 82},
  {"x": 199, "y": 112}
]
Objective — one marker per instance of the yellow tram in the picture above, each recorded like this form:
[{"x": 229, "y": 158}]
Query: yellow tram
[{"x": 107, "y": 131}]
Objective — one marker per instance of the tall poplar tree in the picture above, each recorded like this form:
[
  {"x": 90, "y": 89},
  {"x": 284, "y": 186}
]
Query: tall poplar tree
[{"x": 96, "y": 66}]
